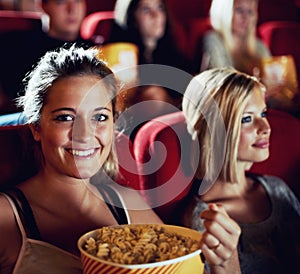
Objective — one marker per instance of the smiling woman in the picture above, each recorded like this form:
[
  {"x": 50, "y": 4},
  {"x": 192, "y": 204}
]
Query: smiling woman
[
  {"x": 69, "y": 105},
  {"x": 84, "y": 112}
]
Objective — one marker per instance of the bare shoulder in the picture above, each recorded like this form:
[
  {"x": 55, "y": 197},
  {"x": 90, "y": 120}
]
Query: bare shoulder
[
  {"x": 7, "y": 219},
  {"x": 10, "y": 238},
  {"x": 6, "y": 213}
]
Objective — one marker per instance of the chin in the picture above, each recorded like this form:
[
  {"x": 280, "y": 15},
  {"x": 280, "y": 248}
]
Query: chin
[
  {"x": 85, "y": 173},
  {"x": 261, "y": 158}
]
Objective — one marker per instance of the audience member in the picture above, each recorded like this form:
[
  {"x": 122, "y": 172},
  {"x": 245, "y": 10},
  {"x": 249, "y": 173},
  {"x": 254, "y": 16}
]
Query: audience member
[
  {"x": 147, "y": 24},
  {"x": 69, "y": 104},
  {"x": 233, "y": 41},
  {"x": 226, "y": 113},
  {"x": 21, "y": 50}
]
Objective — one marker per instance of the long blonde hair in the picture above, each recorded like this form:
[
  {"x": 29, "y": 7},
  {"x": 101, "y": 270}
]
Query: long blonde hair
[{"x": 213, "y": 106}]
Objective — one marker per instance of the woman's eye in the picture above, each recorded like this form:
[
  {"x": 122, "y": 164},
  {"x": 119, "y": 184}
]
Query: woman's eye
[
  {"x": 100, "y": 117},
  {"x": 264, "y": 114},
  {"x": 161, "y": 7},
  {"x": 144, "y": 9},
  {"x": 60, "y": 1},
  {"x": 246, "y": 119},
  {"x": 64, "y": 118},
  {"x": 238, "y": 10}
]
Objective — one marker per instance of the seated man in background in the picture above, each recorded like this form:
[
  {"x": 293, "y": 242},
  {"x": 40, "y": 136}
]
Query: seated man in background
[{"x": 20, "y": 50}]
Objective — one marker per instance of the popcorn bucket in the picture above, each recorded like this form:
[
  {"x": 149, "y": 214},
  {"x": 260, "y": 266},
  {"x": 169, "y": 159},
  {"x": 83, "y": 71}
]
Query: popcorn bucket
[{"x": 189, "y": 263}]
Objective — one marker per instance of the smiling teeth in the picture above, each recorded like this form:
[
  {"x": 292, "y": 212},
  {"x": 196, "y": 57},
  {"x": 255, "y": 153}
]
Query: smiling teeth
[{"x": 82, "y": 153}]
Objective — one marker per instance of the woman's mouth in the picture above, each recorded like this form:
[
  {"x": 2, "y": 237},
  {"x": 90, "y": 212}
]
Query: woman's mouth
[
  {"x": 261, "y": 144},
  {"x": 81, "y": 152}
]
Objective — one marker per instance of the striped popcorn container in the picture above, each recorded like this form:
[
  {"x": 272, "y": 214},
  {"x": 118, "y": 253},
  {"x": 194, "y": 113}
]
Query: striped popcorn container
[{"x": 189, "y": 263}]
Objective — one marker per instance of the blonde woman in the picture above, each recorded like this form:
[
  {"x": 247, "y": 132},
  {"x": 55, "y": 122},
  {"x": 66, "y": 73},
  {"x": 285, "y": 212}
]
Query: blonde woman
[
  {"x": 226, "y": 113},
  {"x": 233, "y": 41}
]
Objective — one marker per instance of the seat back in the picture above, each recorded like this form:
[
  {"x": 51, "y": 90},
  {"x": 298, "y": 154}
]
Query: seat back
[
  {"x": 162, "y": 148},
  {"x": 97, "y": 26},
  {"x": 19, "y": 20},
  {"x": 100, "y": 5},
  {"x": 270, "y": 10},
  {"x": 18, "y": 161},
  {"x": 194, "y": 9},
  {"x": 17, "y": 158}
]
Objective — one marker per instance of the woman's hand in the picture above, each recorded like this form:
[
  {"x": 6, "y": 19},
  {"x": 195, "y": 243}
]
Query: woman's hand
[{"x": 220, "y": 240}]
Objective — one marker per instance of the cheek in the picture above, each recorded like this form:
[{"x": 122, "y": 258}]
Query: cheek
[
  {"x": 54, "y": 138},
  {"x": 143, "y": 26},
  {"x": 245, "y": 139},
  {"x": 105, "y": 135}
]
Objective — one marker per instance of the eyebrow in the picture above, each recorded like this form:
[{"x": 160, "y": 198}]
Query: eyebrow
[
  {"x": 73, "y": 110},
  {"x": 253, "y": 111}
]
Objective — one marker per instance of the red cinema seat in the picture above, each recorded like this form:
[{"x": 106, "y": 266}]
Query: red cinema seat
[
  {"x": 197, "y": 29},
  {"x": 19, "y": 20},
  {"x": 270, "y": 10},
  {"x": 97, "y": 26},
  {"x": 100, "y": 5},
  {"x": 193, "y": 9},
  {"x": 162, "y": 150},
  {"x": 17, "y": 161}
]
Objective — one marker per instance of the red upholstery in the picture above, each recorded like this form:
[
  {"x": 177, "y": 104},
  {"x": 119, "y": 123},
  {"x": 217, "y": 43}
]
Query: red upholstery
[
  {"x": 100, "y": 5},
  {"x": 192, "y": 9},
  {"x": 159, "y": 146},
  {"x": 197, "y": 29},
  {"x": 97, "y": 26},
  {"x": 270, "y": 10},
  {"x": 158, "y": 152},
  {"x": 19, "y": 20},
  {"x": 128, "y": 174},
  {"x": 282, "y": 38},
  {"x": 17, "y": 161}
]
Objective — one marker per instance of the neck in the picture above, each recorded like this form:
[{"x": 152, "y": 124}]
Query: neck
[
  {"x": 68, "y": 36},
  {"x": 222, "y": 189},
  {"x": 54, "y": 185}
]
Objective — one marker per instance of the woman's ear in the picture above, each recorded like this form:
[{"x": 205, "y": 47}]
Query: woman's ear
[{"x": 35, "y": 130}]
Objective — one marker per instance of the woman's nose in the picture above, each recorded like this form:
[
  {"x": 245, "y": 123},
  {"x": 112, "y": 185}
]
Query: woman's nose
[
  {"x": 155, "y": 12},
  {"x": 82, "y": 131},
  {"x": 71, "y": 5},
  {"x": 264, "y": 126}
]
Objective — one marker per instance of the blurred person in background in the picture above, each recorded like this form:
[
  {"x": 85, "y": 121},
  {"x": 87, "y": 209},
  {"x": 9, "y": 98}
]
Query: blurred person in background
[
  {"x": 148, "y": 24},
  {"x": 233, "y": 42},
  {"x": 20, "y": 50}
]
